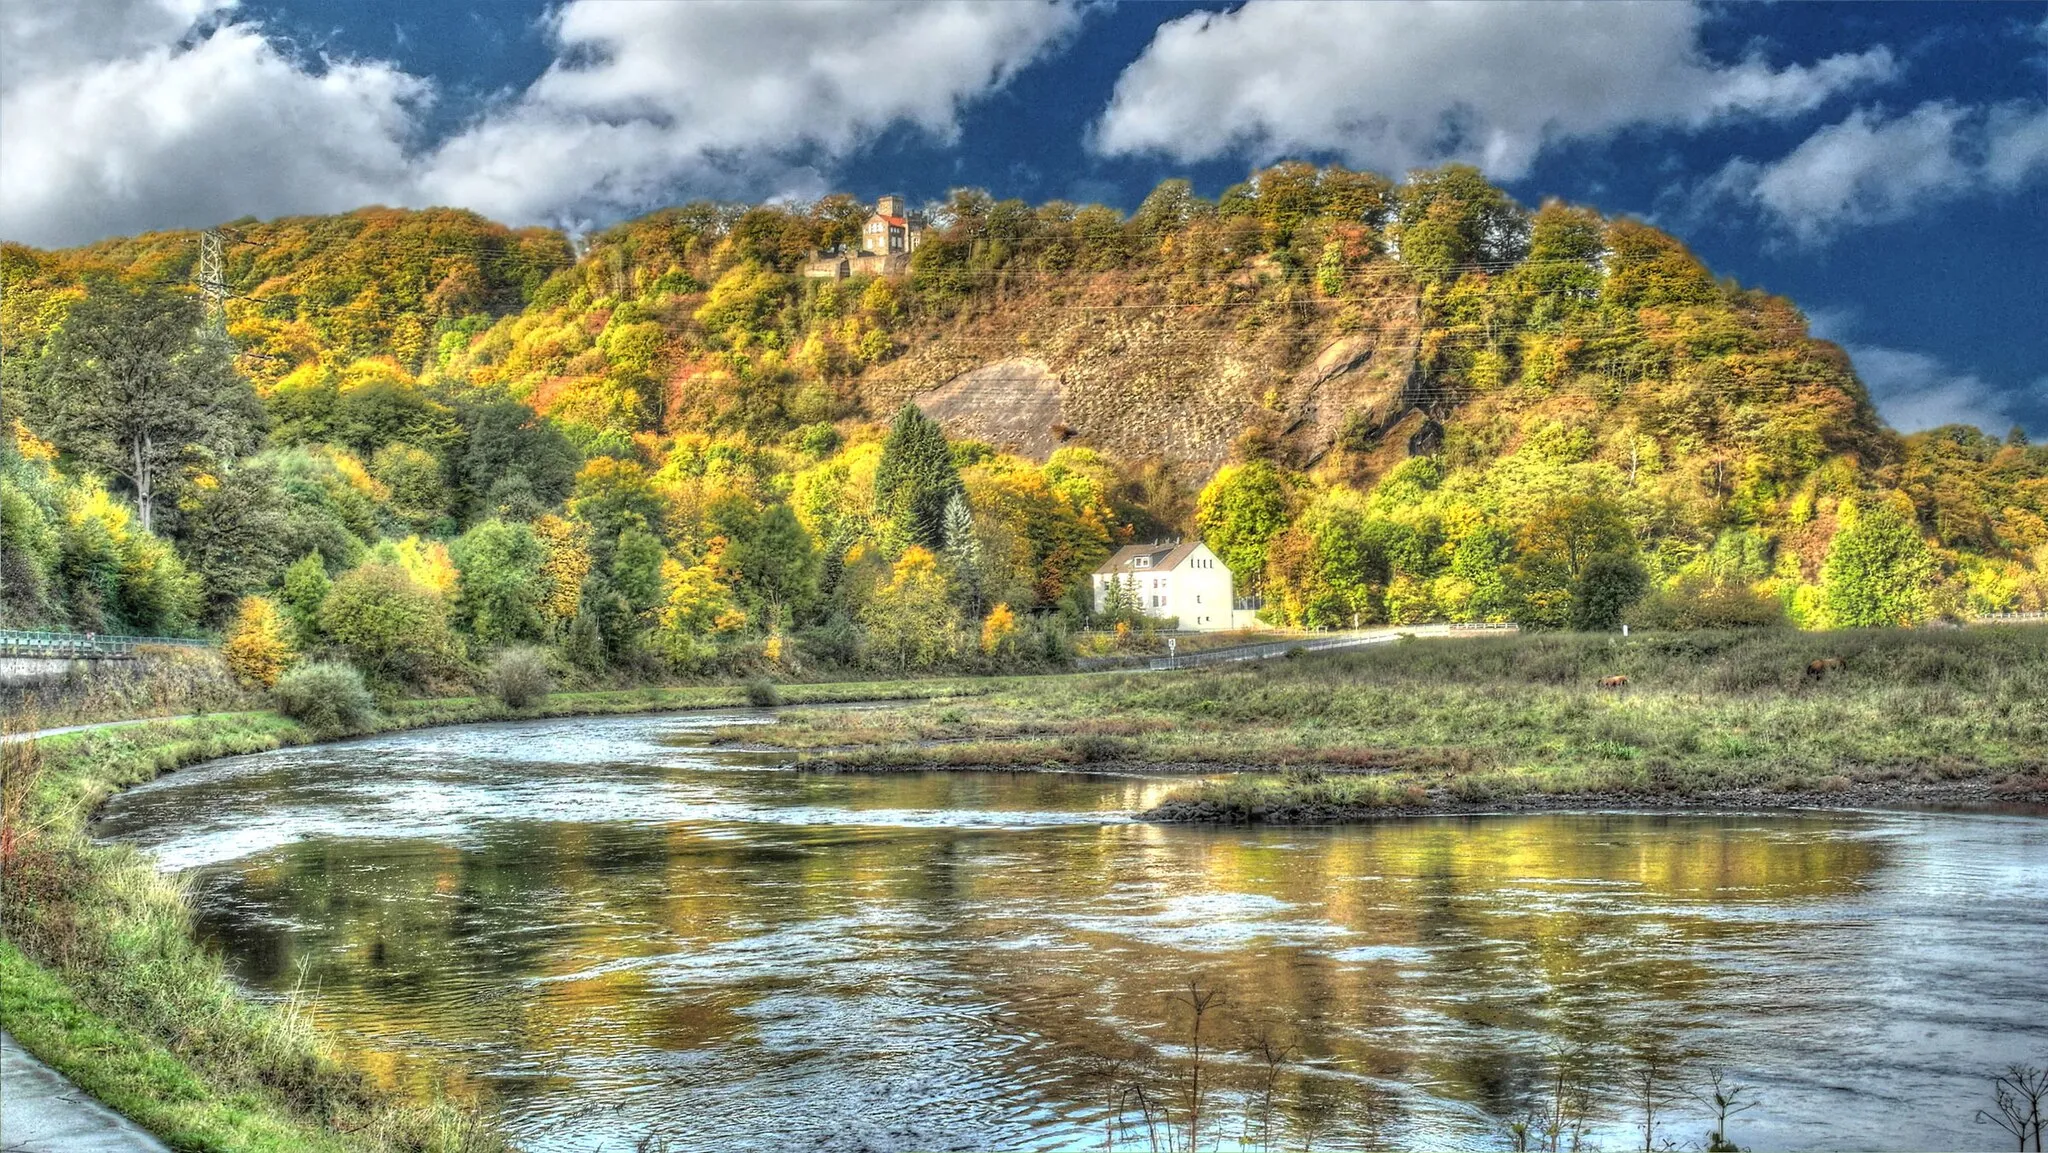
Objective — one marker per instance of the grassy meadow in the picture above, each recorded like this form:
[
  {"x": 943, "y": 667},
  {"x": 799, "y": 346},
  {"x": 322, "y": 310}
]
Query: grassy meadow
[{"x": 1518, "y": 721}]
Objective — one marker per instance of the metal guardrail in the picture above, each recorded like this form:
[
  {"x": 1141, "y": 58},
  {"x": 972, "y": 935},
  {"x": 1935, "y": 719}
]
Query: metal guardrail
[
  {"x": 84, "y": 646},
  {"x": 2008, "y": 618}
]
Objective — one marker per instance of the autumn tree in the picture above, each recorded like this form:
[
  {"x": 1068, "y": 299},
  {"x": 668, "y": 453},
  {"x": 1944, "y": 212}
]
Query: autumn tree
[
  {"x": 1572, "y": 564},
  {"x": 1877, "y": 567},
  {"x": 502, "y": 584},
  {"x": 1239, "y": 512},
  {"x": 911, "y": 622},
  {"x": 389, "y": 625},
  {"x": 128, "y": 386},
  {"x": 258, "y": 646},
  {"x": 697, "y": 608},
  {"x": 1563, "y": 270},
  {"x": 566, "y": 568},
  {"x": 413, "y": 476},
  {"x": 999, "y": 632},
  {"x": 1451, "y": 217}
]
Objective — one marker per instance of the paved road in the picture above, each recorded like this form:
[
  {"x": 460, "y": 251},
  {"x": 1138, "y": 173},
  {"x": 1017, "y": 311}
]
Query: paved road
[
  {"x": 41, "y": 1112},
  {"x": 39, "y": 734}
]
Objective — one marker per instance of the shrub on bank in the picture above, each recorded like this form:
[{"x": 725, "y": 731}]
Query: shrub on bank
[
  {"x": 328, "y": 697},
  {"x": 520, "y": 677}
]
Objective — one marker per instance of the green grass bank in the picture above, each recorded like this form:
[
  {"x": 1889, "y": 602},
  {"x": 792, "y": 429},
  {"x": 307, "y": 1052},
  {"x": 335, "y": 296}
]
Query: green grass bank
[
  {"x": 1735, "y": 718},
  {"x": 101, "y": 977}
]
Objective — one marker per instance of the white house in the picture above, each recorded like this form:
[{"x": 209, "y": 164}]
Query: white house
[{"x": 1176, "y": 579}]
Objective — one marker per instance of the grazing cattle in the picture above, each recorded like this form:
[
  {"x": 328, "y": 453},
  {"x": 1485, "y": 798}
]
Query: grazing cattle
[
  {"x": 1822, "y": 666},
  {"x": 1613, "y": 682}
]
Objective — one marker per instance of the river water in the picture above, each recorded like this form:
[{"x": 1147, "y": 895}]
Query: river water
[{"x": 621, "y": 934}]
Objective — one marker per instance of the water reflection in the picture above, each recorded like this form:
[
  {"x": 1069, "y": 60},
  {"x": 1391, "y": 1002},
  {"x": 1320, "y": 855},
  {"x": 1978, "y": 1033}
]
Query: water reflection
[{"x": 624, "y": 934}]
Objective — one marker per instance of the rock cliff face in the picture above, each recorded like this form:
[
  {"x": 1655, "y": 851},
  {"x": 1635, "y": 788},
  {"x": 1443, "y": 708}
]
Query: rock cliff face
[{"x": 1121, "y": 368}]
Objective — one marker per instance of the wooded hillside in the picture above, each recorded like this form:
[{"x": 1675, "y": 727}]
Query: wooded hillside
[{"x": 674, "y": 451}]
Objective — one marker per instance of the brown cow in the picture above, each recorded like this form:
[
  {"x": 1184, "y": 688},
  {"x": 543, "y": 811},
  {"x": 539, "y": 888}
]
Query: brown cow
[
  {"x": 1613, "y": 682},
  {"x": 1816, "y": 669}
]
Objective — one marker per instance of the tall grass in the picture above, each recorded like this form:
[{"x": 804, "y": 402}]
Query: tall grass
[
  {"x": 114, "y": 937},
  {"x": 1497, "y": 720}
]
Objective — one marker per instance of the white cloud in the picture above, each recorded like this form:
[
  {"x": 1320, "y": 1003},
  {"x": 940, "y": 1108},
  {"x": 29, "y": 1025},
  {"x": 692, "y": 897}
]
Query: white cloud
[
  {"x": 1914, "y": 391},
  {"x": 122, "y": 115},
  {"x": 111, "y": 125},
  {"x": 2016, "y": 144},
  {"x": 1394, "y": 85},
  {"x": 723, "y": 92},
  {"x": 1863, "y": 170},
  {"x": 1868, "y": 169}
]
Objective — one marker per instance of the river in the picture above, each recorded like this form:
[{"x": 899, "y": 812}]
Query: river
[{"x": 620, "y": 933}]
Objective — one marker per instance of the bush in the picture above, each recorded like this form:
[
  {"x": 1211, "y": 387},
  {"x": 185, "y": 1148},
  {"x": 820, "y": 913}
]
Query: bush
[
  {"x": 327, "y": 697},
  {"x": 391, "y": 626},
  {"x": 762, "y": 695},
  {"x": 520, "y": 677},
  {"x": 1701, "y": 604}
]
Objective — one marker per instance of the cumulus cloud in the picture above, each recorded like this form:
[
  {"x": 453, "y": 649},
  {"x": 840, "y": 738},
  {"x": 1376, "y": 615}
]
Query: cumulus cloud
[
  {"x": 2016, "y": 148},
  {"x": 1871, "y": 169},
  {"x": 1395, "y": 85},
  {"x": 642, "y": 95},
  {"x": 1914, "y": 391},
  {"x": 123, "y": 115}
]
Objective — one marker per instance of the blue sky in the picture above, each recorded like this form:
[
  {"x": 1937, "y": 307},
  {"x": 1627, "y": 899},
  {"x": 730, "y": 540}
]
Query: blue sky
[{"x": 1886, "y": 166}]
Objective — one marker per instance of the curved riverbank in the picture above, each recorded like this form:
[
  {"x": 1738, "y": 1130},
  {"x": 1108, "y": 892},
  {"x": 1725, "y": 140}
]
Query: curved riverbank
[
  {"x": 1735, "y": 720},
  {"x": 1244, "y": 794},
  {"x": 634, "y": 935},
  {"x": 1289, "y": 803},
  {"x": 129, "y": 1006}
]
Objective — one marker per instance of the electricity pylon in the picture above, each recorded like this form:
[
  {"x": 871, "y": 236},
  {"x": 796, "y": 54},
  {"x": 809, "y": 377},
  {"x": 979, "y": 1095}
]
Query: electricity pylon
[{"x": 213, "y": 284}]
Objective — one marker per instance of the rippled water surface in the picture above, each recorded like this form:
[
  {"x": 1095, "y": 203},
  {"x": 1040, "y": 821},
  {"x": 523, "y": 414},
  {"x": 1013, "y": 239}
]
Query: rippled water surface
[{"x": 625, "y": 934}]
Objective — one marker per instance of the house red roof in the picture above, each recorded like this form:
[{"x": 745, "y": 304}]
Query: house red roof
[{"x": 898, "y": 221}]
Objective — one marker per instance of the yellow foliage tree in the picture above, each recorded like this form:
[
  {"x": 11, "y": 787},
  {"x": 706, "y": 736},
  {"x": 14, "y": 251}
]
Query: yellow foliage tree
[
  {"x": 911, "y": 619},
  {"x": 258, "y": 647},
  {"x": 426, "y": 561},
  {"x": 698, "y": 606},
  {"x": 567, "y": 566},
  {"x": 999, "y": 631}
]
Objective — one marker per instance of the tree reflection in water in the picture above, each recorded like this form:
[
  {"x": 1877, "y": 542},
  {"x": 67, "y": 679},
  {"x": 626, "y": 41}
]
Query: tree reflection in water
[{"x": 620, "y": 937}]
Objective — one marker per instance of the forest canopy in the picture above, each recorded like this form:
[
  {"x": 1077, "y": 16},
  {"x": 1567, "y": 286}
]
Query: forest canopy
[{"x": 666, "y": 450}]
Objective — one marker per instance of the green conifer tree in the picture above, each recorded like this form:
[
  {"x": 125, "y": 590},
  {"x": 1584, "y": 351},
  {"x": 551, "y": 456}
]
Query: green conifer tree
[
  {"x": 963, "y": 550},
  {"x": 916, "y": 478}
]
